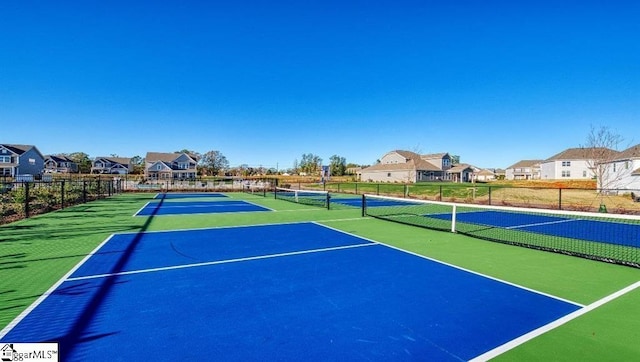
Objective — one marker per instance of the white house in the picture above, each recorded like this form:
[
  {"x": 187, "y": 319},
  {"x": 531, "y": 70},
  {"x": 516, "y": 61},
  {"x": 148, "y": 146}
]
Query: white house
[
  {"x": 622, "y": 173},
  {"x": 573, "y": 163}
]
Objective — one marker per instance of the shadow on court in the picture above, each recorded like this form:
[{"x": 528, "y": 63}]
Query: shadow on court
[{"x": 79, "y": 331}]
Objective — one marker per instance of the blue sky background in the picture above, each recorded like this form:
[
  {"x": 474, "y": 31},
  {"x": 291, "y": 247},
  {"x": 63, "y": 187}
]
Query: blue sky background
[{"x": 266, "y": 81}]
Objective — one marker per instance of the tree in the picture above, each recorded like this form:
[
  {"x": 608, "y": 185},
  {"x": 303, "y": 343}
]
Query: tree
[
  {"x": 83, "y": 161},
  {"x": 214, "y": 162},
  {"x": 602, "y": 145},
  {"x": 455, "y": 159},
  {"x": 138, "y": 165},
  {"x": 310, "y": 164},
  {"x": 338, "y": 165}
]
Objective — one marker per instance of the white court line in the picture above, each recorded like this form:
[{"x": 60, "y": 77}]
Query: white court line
[
  {"x": 183, "y": 266},
  {"x": 142, "y": 208},
  {"x": 541, "y": 223},
  {"x": 555, "y": 324},
  {"x": 213, "y": 204}
]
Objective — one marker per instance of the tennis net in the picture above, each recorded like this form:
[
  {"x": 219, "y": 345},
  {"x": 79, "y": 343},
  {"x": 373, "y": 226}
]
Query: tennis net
[
  {"x": 607, "y": 237},
  {"x": 306, "y": 197}
]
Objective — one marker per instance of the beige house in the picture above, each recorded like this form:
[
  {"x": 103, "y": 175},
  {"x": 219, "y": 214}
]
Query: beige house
[
  {"x": 524, "y": 170},
  {"x": 170, "y": 166},
  {"x": 408, "y": 167}
]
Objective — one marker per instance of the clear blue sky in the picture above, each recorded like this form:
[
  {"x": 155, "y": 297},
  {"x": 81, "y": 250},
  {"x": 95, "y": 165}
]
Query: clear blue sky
[{"x": 265, "y": 81}]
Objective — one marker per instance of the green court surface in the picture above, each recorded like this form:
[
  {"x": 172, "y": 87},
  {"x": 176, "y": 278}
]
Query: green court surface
[{"x": 36, "y": 253}]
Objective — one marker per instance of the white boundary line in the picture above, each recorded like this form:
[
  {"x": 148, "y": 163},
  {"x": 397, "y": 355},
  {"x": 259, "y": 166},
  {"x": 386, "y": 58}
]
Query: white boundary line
[
  {"x": 55, "y": 286},
  {"x": 142, "y": 208},
  {"x": 458, "y": 267},
  {"x": 555, "y": 324},
  {"x": 540, "y": 224},
  {"x": 193, "y": 265}
]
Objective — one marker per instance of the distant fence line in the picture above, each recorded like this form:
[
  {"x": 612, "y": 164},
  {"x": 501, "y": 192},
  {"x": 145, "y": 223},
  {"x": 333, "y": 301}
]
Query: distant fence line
[{"x": 19, "y": 200}]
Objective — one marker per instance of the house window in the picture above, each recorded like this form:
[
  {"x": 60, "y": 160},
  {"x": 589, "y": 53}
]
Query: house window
[
  {"x": 566, "y": 163},
  {"x": 445, "y": 162},
  {"x": 32, "y": 161},
  {"x": 5, "y": 171},
  {"x": 5, "y": 159},
  {"x": 158, "y": 167},
  {"x": 584, "y": 173},
  {"x": 388, "y": 174},
  {"x": 566, "y": 173}
]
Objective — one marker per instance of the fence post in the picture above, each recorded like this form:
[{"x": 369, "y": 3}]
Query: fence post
[
  {"x": 378, "y": 189},
  {"x": 440, "y": 194},
  {"x": 560, "y": 199},
  {"x": 26, "y": 199},
  {"x": 62, "y": 194},
  {"x": 356, "y": 188},
  {"x": 489, "y": 195},
  {"x": 84, "y": 191}
]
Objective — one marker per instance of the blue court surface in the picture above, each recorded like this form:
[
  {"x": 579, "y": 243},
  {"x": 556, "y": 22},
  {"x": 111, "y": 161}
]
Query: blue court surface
[
  {"x": 582, "y": 229},
  {"x": 198, "y": 207},
  {"x": 188, "y": 195},
  {"x": 276, "y": 292}
]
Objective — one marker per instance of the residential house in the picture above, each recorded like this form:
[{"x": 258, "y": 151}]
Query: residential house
[
  {"x": 18, "y": 160},
  {"x": 574, "y": 163},
  {"x": 112, "y": 165},
  {"x": 408, "y": 167},
  {"x": 485, "y": 175},
  {"x": 462, "y": 173},
  {"x": 59, "y": 164},
  {"x": 174, "y": 166},
  {"x": 623, "y": 172},
  {"x": 524, "y": 170}
]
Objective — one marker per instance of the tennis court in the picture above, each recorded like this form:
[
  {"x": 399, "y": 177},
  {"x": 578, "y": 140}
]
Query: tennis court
[
  {"x": 197, "y": 207},
  {"x": 289, "y": 285},
  {"x": 583, "y": 229}
]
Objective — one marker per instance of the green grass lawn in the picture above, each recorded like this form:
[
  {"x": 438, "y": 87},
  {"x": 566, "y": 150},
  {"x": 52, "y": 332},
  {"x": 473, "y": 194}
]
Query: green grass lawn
[{"x": 36, "y": 253}]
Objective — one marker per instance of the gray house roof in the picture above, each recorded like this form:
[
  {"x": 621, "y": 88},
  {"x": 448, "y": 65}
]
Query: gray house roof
[
  {"x": 20, "y": 149},
  {"x": 165, "y": 157},
  {"x": 630, "y": 153},
  {"x": 526, "y": 163},
  {"x": 121, "y": 160},
  {"x": 414, "y": 161},
  {"x": 582, "y": 153}
]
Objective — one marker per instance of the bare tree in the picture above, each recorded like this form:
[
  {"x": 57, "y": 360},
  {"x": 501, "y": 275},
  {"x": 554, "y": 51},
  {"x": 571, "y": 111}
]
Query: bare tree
[{"x": 602, "y": 149}]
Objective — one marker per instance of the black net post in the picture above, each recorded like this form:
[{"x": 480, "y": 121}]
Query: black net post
[{"x": 328, "y": 201}]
